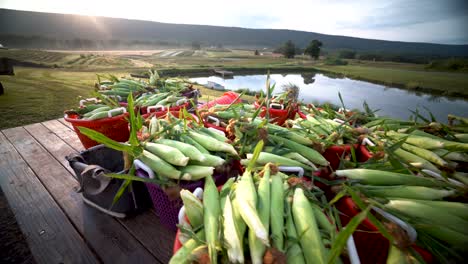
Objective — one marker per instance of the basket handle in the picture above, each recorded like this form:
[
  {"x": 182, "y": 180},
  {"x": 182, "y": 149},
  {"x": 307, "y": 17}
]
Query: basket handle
[
  {"x": 412, "y": 234},
  {"x": 367, "y": 141},
  {"x": 352, "y": 251},
  {"x": 198, "y": 193},
  {"x": 140, "y": 165},
  {"x": 339, "y": 121},
  {"x": 299, "y": 170},
  {"x": 181, "y": 101},
  {"x": 83, "y": 101},
  {"x": 277, "y": 106},
  {"x": 110, "y": 112},
  {"x": 156, "y": 108},
  {"x": 214, "y": 119}
]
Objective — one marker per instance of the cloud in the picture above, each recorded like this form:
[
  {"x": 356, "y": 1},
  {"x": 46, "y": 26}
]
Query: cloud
[{"x": 440, "y": 21}]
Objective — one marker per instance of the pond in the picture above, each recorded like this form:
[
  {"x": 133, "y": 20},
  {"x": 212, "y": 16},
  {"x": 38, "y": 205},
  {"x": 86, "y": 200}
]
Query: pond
[{"x": 320, "y": 88}]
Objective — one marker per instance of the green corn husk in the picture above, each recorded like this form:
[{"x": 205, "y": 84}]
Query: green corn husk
[
  {"x": 307, "y": 152},
  {"x": 188, "y": 150},
  {"x": 454, "y": 238},
  {"x": 397, "y": 256},
  {"x": 211, "y": 214},
  {"x": 425, "y": 154},
  {"x": 159, "y": 166},
  {"x": 415, "y": 160},
  {"x": 196, "y": 172},
  {"x": 455, "y": 208},
  {"x": 298, "y": 157},
  {"x": 210, "y": 160},
  {"x": 246, "y": 198},
  {"x": 182, "y": 255},
  {"x": 231, "y": 236},
  {"x": 265, "y": 158},
  {"x": 193, "y": 208},
  {"x": 377, "y": 177},
  {"x": 294, "y": 252},
  {"x": 256, "y": 246},
  {"x": 461, "y": 176},
  {"x": 407, "y": 192},
  {"x": 277, "y": 212},
  {"x": 306, "y": 227},
  {"x": 212, "y": 144},
  {"x": 420, "y": 141},
  {"x": 447, "y": 155},
  {"x": 199, "y": 147},
  {"x": 169, "y": 154},
  {"x": 416, "y": 209}
]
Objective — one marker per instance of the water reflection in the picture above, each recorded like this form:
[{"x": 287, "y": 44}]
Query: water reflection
[{"x": 321, "y": 88}]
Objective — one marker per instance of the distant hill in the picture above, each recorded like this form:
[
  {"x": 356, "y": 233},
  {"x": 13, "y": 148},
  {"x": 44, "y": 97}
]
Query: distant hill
[{"x": 46, "y": 30}]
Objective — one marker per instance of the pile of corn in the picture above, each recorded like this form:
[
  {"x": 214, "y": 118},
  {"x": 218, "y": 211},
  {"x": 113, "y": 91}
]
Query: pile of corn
[{"x": 258, "y": 217}]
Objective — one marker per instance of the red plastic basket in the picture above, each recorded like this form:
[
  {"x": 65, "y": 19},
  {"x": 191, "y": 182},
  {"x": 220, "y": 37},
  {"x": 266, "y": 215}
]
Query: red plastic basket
[
  {"x": 278, "y": 116},
  {"x": 225, "y": 99},
  {"x": 372, "y": 247},
  {"x": 115, "y": 128}
]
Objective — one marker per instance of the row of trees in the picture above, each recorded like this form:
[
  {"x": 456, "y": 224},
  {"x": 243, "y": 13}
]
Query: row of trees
[{"x": 289, "y": 49}]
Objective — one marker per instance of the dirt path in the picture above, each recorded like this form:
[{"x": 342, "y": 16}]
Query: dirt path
[{"x": 141, "y": 64}]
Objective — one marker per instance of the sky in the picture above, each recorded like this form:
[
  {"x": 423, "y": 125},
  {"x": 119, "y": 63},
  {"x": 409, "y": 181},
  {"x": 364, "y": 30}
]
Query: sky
[{"x": 436, "y": 21}]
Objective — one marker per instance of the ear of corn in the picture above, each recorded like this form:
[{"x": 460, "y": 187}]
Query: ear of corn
[
  {"x": 210, "y": 160},
  {"x": 212, "y": 144},
  {"x": 415, "y": 160},
  {"x": 193, "y": 208},
  {"x": 425, "y": 154},
  {"x": 159, "y": 166},
  {"x": 194, "y": 143},
  {"x": 265, "y": 158},
  {"x": 407, "y": 192},
  {"x": 196, "y": 172},
  {"x": 257, "y": 248},
  {"x": 211, "y": 214},
  {"x": 309, "y": 153},
  {"x": 188, "y": 150},
  {"x": 306, "y": 228},
  {"x": 231, "y": 235},
  {"x": 277, "y": 212},
  {"x": 246, "y": 198},
  {"x": 294, "y": 252},
  {"x": 169, "y": 154},
  {"x": 422, "y": 142},
  {"x": 377, "y": 177},
  {"x": 416, "y": 209}
]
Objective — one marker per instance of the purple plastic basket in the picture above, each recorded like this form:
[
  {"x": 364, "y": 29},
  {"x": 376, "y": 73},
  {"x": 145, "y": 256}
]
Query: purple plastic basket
[{"x": 166, "y": 209}]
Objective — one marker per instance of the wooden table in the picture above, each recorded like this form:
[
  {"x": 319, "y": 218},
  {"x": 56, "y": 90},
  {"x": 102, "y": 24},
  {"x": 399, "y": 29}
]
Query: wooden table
[{"x": 59, "y": 228}]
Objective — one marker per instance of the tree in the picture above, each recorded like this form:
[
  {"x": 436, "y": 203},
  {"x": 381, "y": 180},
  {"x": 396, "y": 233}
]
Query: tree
[
  {"x": 256, "y": 53},
  {"x": 196, "y": 45},
  {"x": 347, "y": 54},
  {"x": 313, "y": 50},
  {"x": 288, "y": 49}
]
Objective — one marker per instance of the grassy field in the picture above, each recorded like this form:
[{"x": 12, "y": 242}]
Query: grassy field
[
  {"x": 38, "y": 94},
  {"x": 409, "y": 76},
  {"x": 34, "y": 95}
]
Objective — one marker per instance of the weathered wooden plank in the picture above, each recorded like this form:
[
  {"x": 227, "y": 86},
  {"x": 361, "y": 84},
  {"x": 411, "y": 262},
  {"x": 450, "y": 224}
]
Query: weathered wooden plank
[
  {"x": 52, "y": 143},
  {"x": 151, "y": 233},
  {"x": 62, "y": 120},
  {"x": 50, "y": 235},
  {"x": 145, "y": 227},
  {"x": 109, "y": 239},
  {"x": 65, "y": 133}
]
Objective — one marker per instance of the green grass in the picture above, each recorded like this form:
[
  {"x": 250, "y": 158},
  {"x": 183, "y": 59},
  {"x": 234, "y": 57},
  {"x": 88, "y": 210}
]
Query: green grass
[
  {"x": 412, "y": 77},
  {"x": 35, "y": 95}
]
